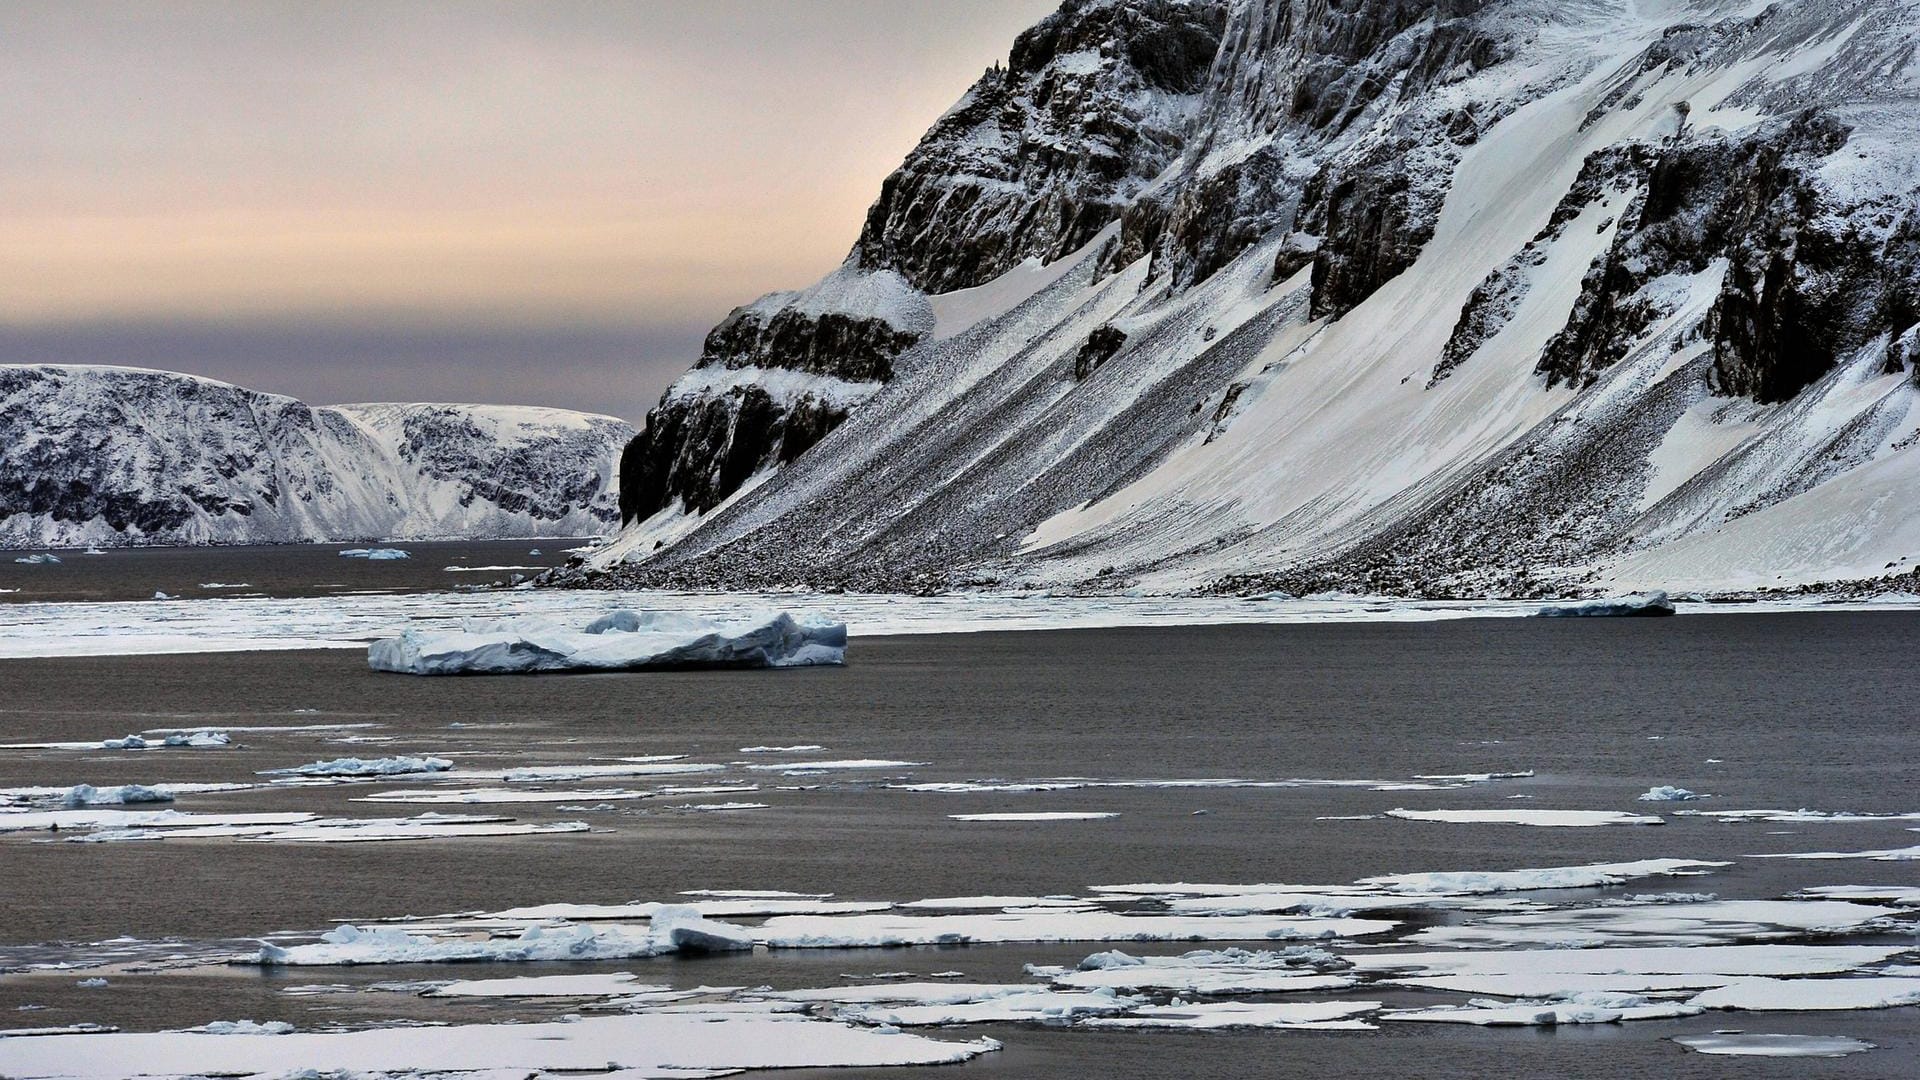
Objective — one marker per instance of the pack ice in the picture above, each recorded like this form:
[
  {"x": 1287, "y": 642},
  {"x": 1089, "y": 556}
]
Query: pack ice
[{"x": 617, "y": 640}]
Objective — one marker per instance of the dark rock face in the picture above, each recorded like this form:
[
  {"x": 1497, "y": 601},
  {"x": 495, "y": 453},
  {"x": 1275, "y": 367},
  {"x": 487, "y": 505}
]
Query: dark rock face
[
  {"x": 1040, "y": 156},
  {"x": 825, "y": 347},
  {"x": 701, "y": 450},
  {"x": 1802, "y": 285},
  {"x": 1313, "y": 72},
  {"x": 1100, "y": 347},
  {"x": 831, "y": 343}
]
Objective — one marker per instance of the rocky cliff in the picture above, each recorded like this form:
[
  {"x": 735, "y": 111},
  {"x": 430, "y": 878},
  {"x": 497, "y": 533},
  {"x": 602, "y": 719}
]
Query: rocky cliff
[
  {"x": 1438, "y": 297},
  {"x": 124, "y": 455}
]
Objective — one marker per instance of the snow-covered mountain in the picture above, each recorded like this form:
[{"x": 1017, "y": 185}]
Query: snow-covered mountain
[
  {"x": 1415, "y": 296},
  {"x": 126, "y": 455}
]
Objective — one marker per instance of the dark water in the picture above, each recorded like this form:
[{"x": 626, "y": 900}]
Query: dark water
[
  {"x": 1808, "y": 710},
  {"x": 268, "y": 570}
]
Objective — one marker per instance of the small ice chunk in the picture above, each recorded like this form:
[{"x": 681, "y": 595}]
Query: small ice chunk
[
  {"x": 1647, "y": 603},
  {"x": 88, "y": 795},
  {"x": 1669, "y": 793},
  {"x": 376, "y": 554},
  {"x": 158, "y": 595},
  {"x": 1308, "y": 1015},
  {"x": 44, "y": 559},
  {"x": 244, "y": 1027},
  {"x": 91, "y": 984},
  {"x": 802, "y": 748}
]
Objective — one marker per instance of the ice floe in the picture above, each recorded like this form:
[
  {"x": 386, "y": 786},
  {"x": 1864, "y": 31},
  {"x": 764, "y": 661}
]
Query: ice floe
[
  {"x": 1702, "y": 923},
  {"x": 628, "y": 1047},
  {"x": 1905, "y": 854},
  {"x": 1550, "y": 818},
  {"x": 1741, "y": 1044},
  {"x": 618, "y": 640},
  {"x": 1024, "y": 1004},
  {"x": 1797, "y": 817},
  {"x": 1648, "y": 603},
  {"x": 673, "y": 929},
  {"x": 1591, "y": 875},
  {"x": 1054, "y": 815},
  {"x": 803, "y": 748},
  {"x": 88, "y": 795},
  {"x": 1207, "y": 971},
  {"x": 484, "y": 796},
  {"x": 375, "y": 554},
  {"x": 1306, "y": 1015},
  {"x": 351, "y": 766},
  {"x": 1813, "y": 995},
  {"x": 844, "y": 765},
  {"x": 85, "y": 818},
  {"x": 43, "y": 559},
  {"x": 1586, "y": 1007},
  {"x": 609, "y": 984},
  {"x": 856, "y": 931},
  {"x": 200, "y": 739},
  {"x": 244, "y": 1027}
]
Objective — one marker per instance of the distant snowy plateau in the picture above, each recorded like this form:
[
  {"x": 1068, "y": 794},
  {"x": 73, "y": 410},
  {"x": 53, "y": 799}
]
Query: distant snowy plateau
[
  {"x": 124, "y": 455},
  {"x": 1410, "y": 297}
]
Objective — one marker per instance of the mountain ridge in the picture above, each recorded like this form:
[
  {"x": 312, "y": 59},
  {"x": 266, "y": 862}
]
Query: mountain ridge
[
  {"x": 99, "y": 454},
  {"x": 1427, "y": 297}
]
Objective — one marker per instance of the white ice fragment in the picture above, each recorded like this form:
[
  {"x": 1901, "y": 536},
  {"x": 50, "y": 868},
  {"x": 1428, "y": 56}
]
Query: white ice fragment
[
  {"x": 698, "y": 1042},
  {"x": 1204, "y": 971},
  {"x": 1309, "y": 1015},
  {"x": 1549, "y": 818},
  {"x": 847, "y": 764},
  {"x": 610, "y": 984},
  {"x": 1024, "y": 1004},
  {"x": 1740, "y": 1044},
  {"x": 880, "y": 930},
  {"x": 1053, "y": 815},
  {"x": 43, "y": 559},
  {"x": 88, "y": 795},
  {"x": 619, "y": 640},
  {"x": 1813, "y": 995},
  {"x": 1592, "y": 875},
  {"x": 375, "y": 554},
  {"x": 1591, "y": 1007},
  {"x": 802, "y": 748},
  {"x": 389, "y": 766},
  {"x": 1669, "y": 793},
  {"x": 244, "y": 1027}
]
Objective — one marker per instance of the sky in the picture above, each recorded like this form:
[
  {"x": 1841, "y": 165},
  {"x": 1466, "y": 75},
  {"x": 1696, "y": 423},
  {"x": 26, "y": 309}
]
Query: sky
[{"x": 540, "y": 203}]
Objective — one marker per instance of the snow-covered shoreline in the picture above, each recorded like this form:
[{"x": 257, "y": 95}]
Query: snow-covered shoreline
[{"x": 247, "y": 624}]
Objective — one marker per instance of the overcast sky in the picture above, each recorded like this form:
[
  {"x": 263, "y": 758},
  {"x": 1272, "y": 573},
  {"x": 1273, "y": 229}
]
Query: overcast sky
[{"x": 520, "y": 202}]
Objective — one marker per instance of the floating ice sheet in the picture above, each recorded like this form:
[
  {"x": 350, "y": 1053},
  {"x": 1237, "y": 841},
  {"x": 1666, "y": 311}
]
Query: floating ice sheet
[
  {"x": 1590, "y": 1007},
  {"x": 672, "y": 930},
  {"x": 1057, "y": 815},
  {"x": 644, "y": 1045},
  {"x": 1308, "y": 1015},
  {"x": 351, "y": 766},
  {"x": 1550, "y": 818},
  {"x": 1741, "y": 1044},
  {"x": 1697, "y": 923},
  {"x": 1207, "y": 971},
  {"x": 1591, "y": 875},
  {"x": 855, "y": 931},
  {"x": 1813, "y": 995},
  {"x": 610, "y": 984}
]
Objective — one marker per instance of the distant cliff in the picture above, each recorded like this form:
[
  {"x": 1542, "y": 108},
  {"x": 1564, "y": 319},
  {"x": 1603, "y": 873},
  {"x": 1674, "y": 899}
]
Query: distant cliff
[{"x": 125, "y": 455}]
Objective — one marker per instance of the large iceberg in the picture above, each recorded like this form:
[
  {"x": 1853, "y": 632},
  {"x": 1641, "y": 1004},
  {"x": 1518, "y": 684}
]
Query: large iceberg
[
  {"x": 618, "y": 640},
  {"x": 1647, "y": 603}
]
